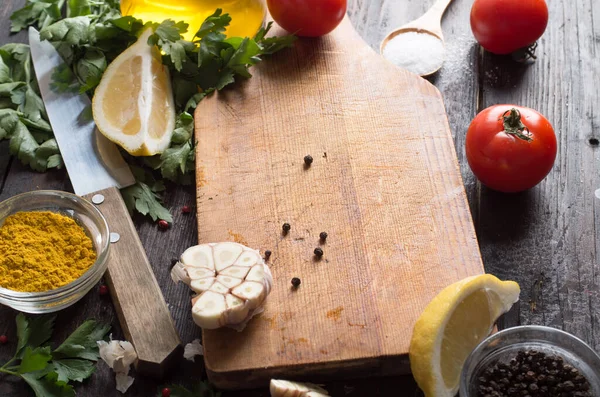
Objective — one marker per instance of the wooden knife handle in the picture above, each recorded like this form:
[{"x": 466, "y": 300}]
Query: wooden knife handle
[{"x": 140, "y": 305}]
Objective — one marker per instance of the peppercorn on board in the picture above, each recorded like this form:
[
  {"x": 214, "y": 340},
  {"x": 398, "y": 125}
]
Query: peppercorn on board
[{"x": 384, "y": 185}]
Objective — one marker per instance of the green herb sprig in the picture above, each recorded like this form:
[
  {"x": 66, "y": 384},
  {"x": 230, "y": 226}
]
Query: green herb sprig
[
  {"x": 92, "y": 35},
  {"x": 49, "y": 372}
]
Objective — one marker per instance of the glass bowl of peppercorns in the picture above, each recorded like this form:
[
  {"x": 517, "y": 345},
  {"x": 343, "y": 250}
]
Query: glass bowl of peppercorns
[{"x": 531, "y": 361}]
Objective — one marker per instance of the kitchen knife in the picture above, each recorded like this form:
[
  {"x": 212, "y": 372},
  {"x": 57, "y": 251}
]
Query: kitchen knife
[{"x": 96, "y": 169}]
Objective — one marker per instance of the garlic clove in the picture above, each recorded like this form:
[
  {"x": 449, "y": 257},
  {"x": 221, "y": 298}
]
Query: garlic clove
[
  {"x": 285, "y": 388},
  {"x": 257, "y": 273},
  {"x": 202, "y": 285},
  {"x": 178, "y": 273},
  {"x": 250, "y": 291},
  {"x": 219, "y": 288},
  {"x": 237, "y": 309},
  {"x": 248, "y": 259},
  {"x": 208, "y": 309},
  {"x": 196, "y": 273},
  {"x": 229, "y": 282},
  {"x": 198, "y": 256},
  {"x": 235, "y": 271},
  {"x": 225, "y": 254}
]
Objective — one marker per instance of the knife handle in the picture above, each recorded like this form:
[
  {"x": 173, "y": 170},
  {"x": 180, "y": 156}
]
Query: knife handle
[{"x": 140, "y": 305}]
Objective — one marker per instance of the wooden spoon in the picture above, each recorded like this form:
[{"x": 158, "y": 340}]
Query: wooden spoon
[{"x": 429, "y": 23}]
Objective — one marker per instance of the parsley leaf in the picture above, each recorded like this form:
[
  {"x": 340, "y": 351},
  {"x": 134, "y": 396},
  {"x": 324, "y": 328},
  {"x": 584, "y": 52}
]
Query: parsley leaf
[
  {"x": 177, "y": 159},
  {"x": 82, "y": 342},
  {"x": 145, "y": 200},
  {"x": 34, "y": 359},
  {"x": 23, "y": 117},
  {"x": 40, "y": 13},
  {"x": 33, "y": 331},
  {"x": 72, "y": 31},
  {"x": 184, "y": 128},
  {"x": 48, "y": 372},
  {"x": 167, "y": 35},
  {"x": 47, "y": 386},
  {"x": 73, "y": 369}
]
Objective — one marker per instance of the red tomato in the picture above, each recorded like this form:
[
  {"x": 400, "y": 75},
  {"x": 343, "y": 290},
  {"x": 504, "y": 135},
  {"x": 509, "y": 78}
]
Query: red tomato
[
  {"x": 505, "y": 26},
  {"x": 310, "y": 18},
  {"x": 510, "y": 148}
]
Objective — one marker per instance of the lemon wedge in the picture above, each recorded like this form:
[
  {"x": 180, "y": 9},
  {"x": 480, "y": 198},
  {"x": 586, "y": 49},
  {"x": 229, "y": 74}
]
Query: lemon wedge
[
  {"x": 452, "y": 325},
  {"x": 133, "y": 104}
]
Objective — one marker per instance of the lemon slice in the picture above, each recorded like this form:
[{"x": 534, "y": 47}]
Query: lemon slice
[
  {"x": 133, "y": 104},
  {"x": 452, "y": 325}
]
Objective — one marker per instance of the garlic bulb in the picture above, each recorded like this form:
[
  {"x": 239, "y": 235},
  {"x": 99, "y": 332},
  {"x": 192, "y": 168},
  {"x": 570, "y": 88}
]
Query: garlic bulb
[
  {"x": 232, "y": 282},
  {"x": 285, "y": 388}
]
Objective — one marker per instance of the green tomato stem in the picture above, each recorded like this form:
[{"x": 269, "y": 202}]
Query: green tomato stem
[{"x": 514, "y": 126}]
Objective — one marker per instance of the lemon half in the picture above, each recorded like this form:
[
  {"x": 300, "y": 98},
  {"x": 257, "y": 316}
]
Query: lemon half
[
  {"x": 133, "y": 104},
  {"x": 452, "y": 325}
]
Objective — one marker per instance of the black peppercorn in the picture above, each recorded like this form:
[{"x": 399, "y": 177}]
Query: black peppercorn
[
  {"x": 286, "y": 227},
  {"x": 318, "y": 252},
  {"x": 296, "y": 282},
  {"x": 267, "y": 254},
  {"x": 323, "y": 236},
  {"x": 308, "y": 159},
  {"x": 532, "y": 373}
]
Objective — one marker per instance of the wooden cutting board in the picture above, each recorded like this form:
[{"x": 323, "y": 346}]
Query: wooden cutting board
[{"x": 385, "y": 185}]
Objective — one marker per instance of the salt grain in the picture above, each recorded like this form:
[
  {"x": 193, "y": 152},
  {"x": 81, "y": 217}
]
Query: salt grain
[{"x": 420, "y": 53}]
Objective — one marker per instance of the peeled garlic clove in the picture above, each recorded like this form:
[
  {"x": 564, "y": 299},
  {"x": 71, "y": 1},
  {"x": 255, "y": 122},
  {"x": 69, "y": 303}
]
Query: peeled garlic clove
[
  {"x": 196, "y": 273},
  {"x": 232, "y": 284},
  {"x": 250, "y": 291},
  {"x": 208, "y": 310},
  {"x": 235, "y": 271},
  {"x": 229, "y": 282},
  {"x": 285, "y": 388},
  {"x": 225, "y": 254},
  {"x": 202, "y": 285},
  {"x": 198, "y": 256}
]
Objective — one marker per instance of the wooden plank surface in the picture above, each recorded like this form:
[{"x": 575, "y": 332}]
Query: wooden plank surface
[
  {"x": 384, "y": 184},
  {"x": 548, "y": 230},
  {"x": 142, "y": 311}
]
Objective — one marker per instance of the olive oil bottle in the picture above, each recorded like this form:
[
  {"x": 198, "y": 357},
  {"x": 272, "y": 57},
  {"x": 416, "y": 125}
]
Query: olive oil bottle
[{"x": 247, "y": 16}]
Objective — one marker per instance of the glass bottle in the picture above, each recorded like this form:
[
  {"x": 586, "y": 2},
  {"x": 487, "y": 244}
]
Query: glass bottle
[{"x": 247, "y": 16}]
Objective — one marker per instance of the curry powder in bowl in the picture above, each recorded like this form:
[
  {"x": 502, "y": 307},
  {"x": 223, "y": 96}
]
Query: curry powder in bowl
[
  {"x": 54, "y": 247},
  {"x": 42, "y": 251}
]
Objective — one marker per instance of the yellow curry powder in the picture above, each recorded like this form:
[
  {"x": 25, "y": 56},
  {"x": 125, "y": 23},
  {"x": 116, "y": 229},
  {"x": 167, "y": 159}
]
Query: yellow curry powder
[{"x": 41, "y": 251}]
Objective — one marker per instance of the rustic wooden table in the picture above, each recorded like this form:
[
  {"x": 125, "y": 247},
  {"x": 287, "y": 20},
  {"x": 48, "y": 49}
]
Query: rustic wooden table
[{"x": 547, "y": 239}]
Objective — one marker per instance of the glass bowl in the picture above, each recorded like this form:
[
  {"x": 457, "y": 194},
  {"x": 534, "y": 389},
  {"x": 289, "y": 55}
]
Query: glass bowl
[
  {"x": 505, "y": 344},
  {"x": 95, "y": 226}
]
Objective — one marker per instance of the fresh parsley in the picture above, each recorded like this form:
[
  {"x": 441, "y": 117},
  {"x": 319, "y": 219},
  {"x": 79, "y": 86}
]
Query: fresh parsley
[
  {"x": 92, "y": 35},
  {"x": 49, "y": 372}
]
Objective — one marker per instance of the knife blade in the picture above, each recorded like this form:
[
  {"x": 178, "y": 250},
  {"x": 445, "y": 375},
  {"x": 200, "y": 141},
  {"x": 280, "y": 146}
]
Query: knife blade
[
  {"x": 69, "y": 112},
  {"x": 96, "y": 168}
]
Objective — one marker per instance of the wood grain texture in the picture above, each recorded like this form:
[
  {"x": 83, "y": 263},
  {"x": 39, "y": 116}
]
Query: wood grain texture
[
  {"x": 548, "y": 239},
  {"x": 515, "y": 232},
  {"x": 138, "y": 300},
  {"x": 384, "y": 184}
]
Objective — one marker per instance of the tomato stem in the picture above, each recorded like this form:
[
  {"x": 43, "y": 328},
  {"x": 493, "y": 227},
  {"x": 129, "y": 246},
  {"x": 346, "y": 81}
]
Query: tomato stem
[
  {"x": 514, "y": 126},
  {"x": 526, "y": 53}
]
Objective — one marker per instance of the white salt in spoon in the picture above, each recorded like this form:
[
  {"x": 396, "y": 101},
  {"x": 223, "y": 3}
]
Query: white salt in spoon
[{"x": 418, "y": 46}]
